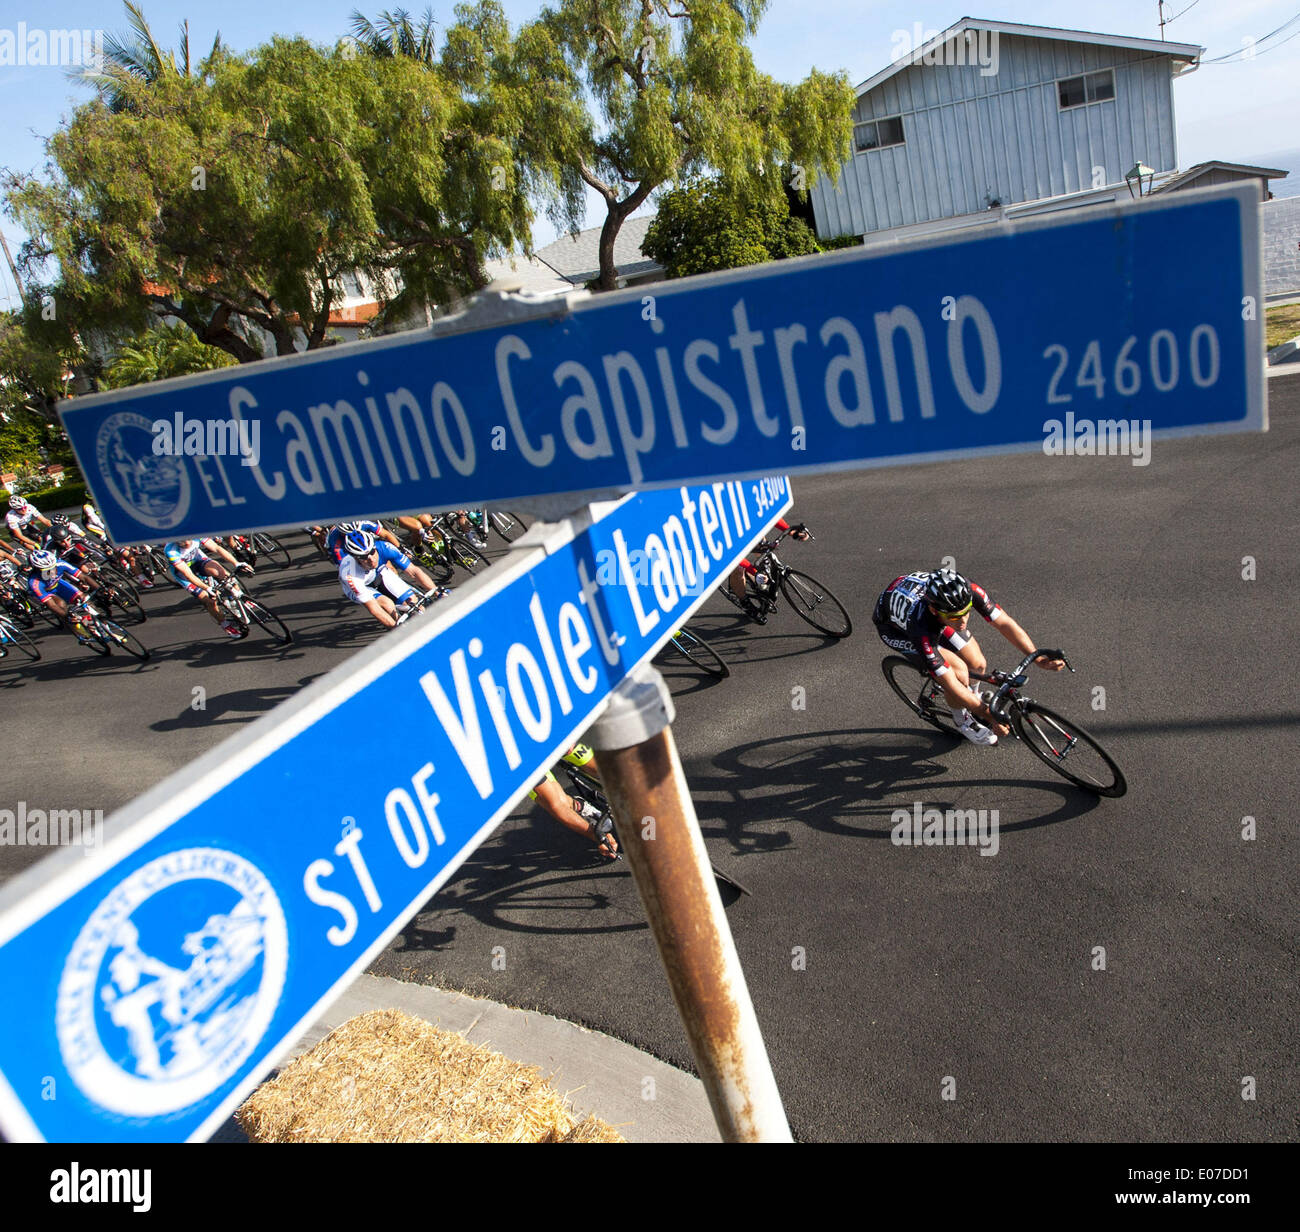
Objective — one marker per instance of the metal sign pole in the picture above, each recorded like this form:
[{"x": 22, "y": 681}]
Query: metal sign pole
[{"x": 659, "y": 834}]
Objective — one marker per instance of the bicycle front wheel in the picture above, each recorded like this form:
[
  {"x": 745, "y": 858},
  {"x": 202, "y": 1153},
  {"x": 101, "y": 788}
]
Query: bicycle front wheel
[
  {"x": 274, "y": 626},
  {"x": 12, "y": 637},
  {"x": 699, "y": 652},
  {"x": 812, "y": 602},
  {"x": 270, "y": 546},
  {"x": 115, "y": 635},
  {"x": 1069, "y": 750},
  {"x": 919, "y": 692}
]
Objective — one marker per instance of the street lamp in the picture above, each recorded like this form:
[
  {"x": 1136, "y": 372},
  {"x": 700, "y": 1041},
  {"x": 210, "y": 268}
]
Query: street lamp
[{"x": 1135, "y": 177}]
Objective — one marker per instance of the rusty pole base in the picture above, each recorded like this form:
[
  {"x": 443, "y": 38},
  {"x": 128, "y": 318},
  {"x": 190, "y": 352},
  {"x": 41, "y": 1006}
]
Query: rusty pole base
[{"x": 660, "y": 837}]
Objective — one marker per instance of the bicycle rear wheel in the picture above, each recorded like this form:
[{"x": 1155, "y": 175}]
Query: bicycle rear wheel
[
  {"x": 95, "y": 639},
  {"x": 919, "y": 692},
  {"x": 118, "y": 636},
  {"x": 1069, "y": 750},
  {"x": 466, "y": 555},
  {"x": 13, "y": 638},
  {"x": 116, "y": 578},
  {"x": 274, "y": 626},
  {"x": 693, "y": 647},
  {"x": 130, "y": 608},
  {"x": 812, "y": 602}
]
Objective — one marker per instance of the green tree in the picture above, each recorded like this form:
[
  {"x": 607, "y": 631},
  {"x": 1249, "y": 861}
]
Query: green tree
[
  {"x": 703, "y": 227},
  {"x": 171, "y": 350},
  {"x": 674, "y": 94},
  {"x": 516, "y": 97},
  {"x": 242, "y": 201}
]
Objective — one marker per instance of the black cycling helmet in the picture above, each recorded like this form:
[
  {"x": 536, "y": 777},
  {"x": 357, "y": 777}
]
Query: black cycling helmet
[{"x": 948, "y": 593}]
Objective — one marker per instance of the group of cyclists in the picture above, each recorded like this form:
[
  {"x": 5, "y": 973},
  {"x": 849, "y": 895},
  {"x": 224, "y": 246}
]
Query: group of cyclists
[{"x": 924, "y": 615}]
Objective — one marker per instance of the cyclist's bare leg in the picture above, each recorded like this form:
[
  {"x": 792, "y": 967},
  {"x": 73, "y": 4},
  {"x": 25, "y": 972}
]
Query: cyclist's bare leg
[
  {"x": 210, "y": 569},
  {"x": 564, "y": 808},
  {"x": 383, "y": 609},
  {"x": 956, "y": 687},
  {"x": 736, "y": 579}
]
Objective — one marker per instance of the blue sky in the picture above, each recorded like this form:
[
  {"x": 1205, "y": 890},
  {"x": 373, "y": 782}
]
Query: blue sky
[{"x": 1237, "y": 111}]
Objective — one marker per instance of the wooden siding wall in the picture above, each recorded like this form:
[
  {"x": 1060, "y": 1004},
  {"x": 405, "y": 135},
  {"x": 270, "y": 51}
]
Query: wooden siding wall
[{"x": 970, "y": 137}]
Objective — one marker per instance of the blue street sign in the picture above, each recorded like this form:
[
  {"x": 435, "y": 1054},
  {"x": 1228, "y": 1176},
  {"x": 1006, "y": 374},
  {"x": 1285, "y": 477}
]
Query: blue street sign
[
  {"x": 149, "y": 985},
  {"x": 1139, "y": 320}
]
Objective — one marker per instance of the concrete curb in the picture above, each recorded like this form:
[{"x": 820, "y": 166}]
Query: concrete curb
[
  {"x": 598, "y": 1074},
  {"x": 1286, "y": 353}
]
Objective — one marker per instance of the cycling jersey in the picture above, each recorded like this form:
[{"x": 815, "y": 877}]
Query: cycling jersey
[
  {"x": 361, "y": 585},
  {"x": 334, "y": 540},
  {"x": 580, "y": 755},
  {"x": 60, "y": 585},
  {"x": 20, "y": 521},
  {"x": 906, "y": 624},
  {"x": 192, "y": 556}
]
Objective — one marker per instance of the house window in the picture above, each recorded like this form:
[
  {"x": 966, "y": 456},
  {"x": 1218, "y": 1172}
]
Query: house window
[
  {"x": 1092, "y": 88},
  {"x": 876, "y": 134}
]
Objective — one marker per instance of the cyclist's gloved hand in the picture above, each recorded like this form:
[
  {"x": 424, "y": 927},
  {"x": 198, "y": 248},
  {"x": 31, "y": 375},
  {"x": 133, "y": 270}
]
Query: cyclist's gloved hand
[
  {"x": 801, "y": 531},
  {"x": 243, "y": 567}
]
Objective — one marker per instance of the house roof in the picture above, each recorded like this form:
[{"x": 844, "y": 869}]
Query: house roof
[
  {"x": 527, "y": 273},
  {"x": 1184, "y": 178},
  {"x": 577, "y": 257},
  {"x": 1188, "y": 52}
]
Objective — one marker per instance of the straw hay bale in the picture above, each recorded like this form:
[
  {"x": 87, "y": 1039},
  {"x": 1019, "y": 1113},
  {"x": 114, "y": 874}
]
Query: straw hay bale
[{"x": 386, "y": 1076}]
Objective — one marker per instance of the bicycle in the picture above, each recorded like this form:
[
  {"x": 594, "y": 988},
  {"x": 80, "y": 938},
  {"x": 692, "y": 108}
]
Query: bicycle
[
  {"x": 236, "y": 605},
  {"x": 808, "y": 598},
  {"x": 1032, "y": 723},
  {"x": 456, "y": 549},
  {"x": 691, "y": 646},
  {"x": 12, "y": 636},
  {"x": 99, "y": 634},
  {"x": 588, "y": 790}
]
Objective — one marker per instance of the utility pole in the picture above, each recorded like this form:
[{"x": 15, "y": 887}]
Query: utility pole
[
  {"x": 1160, "y": 6},
  {"x": 13, "y": 269}
]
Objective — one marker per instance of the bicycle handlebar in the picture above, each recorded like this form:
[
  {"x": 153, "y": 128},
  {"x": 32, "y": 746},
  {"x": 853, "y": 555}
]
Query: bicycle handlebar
[{"x": 1013, "y": 680}]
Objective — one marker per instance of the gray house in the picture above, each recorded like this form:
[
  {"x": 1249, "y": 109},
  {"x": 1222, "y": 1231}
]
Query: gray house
[{"x": 988, "y": 115}]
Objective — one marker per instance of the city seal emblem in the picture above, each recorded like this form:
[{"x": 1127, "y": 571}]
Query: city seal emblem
[
  {"x": 154, "y": 487},
  {"x": 172, "y": 982}
]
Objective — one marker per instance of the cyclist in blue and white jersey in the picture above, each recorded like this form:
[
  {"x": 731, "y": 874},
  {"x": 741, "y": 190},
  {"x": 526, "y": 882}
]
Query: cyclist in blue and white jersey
[
  {"x": 367, "y": 576},
  {"x": 337, "y": 534},
  {"x": 924, "y": 617},
  {"x": 192, "y": 569}
]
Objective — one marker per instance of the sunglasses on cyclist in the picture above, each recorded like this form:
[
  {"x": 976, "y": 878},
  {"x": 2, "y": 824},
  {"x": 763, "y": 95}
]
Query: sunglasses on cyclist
[{"x": 955, "y": 615}]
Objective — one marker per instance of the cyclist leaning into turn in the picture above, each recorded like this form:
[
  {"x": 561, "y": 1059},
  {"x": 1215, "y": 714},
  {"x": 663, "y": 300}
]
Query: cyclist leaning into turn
[
  {"x": 736, "y": 579},
  {"x": 190, "y": 567},
  {"x": 367, "y": 576},
  {"x": 924, "y": 617}
]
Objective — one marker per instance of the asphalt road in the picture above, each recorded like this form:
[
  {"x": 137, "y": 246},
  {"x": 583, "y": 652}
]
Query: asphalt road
[{"x": 884, "y": 976}]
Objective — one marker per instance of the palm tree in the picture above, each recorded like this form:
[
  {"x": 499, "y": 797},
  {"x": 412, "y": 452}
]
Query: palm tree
[
  {"x": 133, "y": 61},
  {"x": 395, "y": 35},
  {"x": 170, "y": 351}
]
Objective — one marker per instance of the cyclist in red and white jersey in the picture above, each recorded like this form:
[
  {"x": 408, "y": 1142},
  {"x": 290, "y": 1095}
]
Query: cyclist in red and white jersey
[{"x": 23, "y": 515}]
